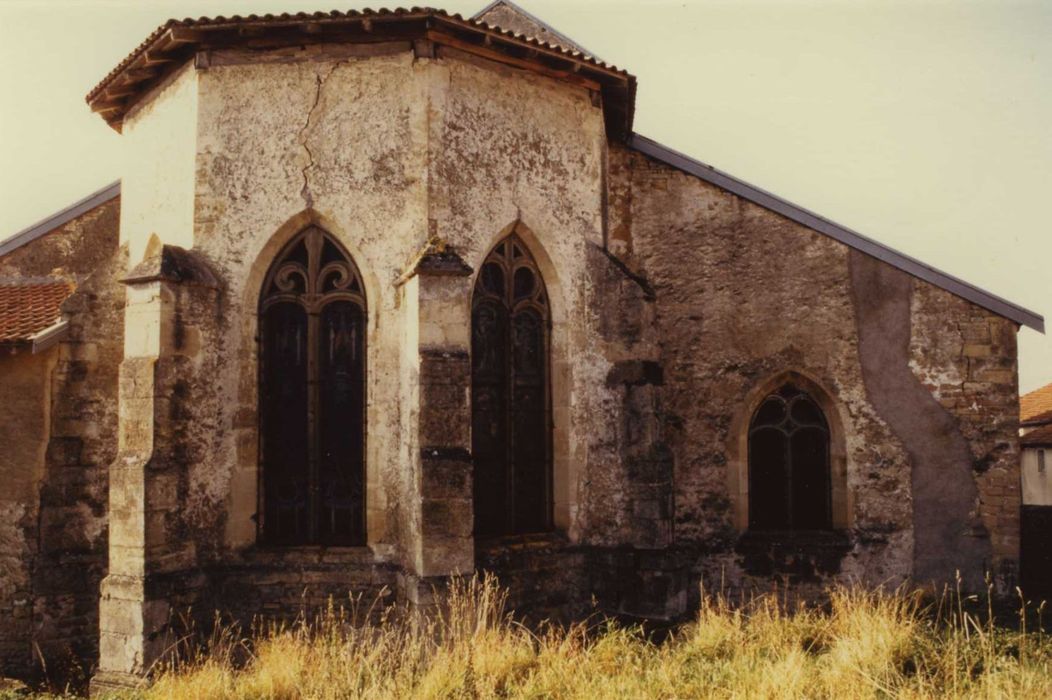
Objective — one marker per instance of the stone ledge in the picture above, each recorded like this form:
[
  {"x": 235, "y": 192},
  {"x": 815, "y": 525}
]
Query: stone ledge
[{"x": 114, "y": 683}]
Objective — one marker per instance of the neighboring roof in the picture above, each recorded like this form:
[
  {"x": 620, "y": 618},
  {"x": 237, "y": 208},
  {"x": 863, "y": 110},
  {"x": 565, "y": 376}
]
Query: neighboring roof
[
  {"x": 1042, "y": 437},
  {"x": 60, "y": 218},
  {"x": 508, "y": 15},
  {"x": 840, "y": 233},
  {"x": 1035, "y": 408},
  {"x": 176, "y": 41},
  {"x": 27, "y": 309}
]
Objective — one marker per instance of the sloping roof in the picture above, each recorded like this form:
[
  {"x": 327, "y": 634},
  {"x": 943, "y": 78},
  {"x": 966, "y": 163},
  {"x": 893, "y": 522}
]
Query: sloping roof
[
  {"x": 1042, "y": 437},
  {"x": 60, "y": 218},
  {"x": 508, "y": 15},
  {"x": 856, "y": 240},
  {"x": 28, "y": 308},
  {"x": 1036, "y": 407},
  {"x": 176, "y": 41}
]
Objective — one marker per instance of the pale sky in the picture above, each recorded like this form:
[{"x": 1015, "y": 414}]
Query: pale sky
[{"x": 924, "y": 124}]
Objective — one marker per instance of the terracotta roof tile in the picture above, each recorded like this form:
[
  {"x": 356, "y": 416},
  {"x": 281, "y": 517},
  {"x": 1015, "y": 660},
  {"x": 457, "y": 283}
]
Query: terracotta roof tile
[
  {"x": 1036, "y": 407},
  {"x": 172, "y": 43},
  {"x": 1042, "y": 436},
  {"x": 28, "y": 308}
]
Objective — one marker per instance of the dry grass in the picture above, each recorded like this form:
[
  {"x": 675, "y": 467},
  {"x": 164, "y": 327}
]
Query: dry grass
[{"x": 859, "y": 645}]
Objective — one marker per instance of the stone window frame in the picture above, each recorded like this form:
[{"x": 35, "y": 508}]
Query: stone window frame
[
  {"x": 533, "y": 302},
  {"x": 278, "y": 288},
  {"x": 243, "y": 494},
  {"x": 564, "y": 472},
  {"x": 738, "y": 446}
]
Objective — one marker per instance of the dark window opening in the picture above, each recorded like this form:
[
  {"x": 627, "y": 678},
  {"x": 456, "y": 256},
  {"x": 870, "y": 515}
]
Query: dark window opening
[
  {"x": 312, "y": 316},
  {"x": 789, "y": 469},
  {"x": 510, "y": 409}
]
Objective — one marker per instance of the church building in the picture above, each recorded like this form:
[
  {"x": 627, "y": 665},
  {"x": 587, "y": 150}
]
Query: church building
[{"x": 388, "y": 297}]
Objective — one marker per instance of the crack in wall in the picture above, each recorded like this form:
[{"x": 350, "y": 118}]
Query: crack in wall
[{"x": 319, "y": 81}]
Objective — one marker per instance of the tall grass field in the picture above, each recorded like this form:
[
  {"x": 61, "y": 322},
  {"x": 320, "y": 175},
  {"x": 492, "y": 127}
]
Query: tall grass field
[{"x": 858, "y": 644}]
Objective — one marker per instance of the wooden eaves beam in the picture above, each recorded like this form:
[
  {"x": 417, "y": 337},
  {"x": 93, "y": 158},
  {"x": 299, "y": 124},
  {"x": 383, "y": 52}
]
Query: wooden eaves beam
[{"x": 479, "y": 50}]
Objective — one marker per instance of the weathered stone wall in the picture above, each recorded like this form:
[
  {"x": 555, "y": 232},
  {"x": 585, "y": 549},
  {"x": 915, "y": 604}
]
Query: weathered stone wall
[
  {"x": 386, "y": 152},
  {"x": 67, "y": 535},
  {"x": 24, "y": 423},
  {"x": 257, "y": 585},
  {"x": 966, "y": 357},
  {"x": 921, "y": 384},
  {"x": 338, "y": 143},
  {"x": 510, "y": 151}
]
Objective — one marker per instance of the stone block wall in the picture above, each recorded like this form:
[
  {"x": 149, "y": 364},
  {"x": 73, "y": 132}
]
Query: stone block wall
[
  {"x": 68, "y": 536},
  {"x": 966, "y": 357},
  {"x": 24, "y": 422},
  {"x": 298, "y": 584},
  {"x": 922, "y": 382}
]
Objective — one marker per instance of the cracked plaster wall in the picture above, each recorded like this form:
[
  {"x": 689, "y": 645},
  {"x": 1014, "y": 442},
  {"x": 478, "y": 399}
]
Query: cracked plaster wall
[{"x": 384, "y": 151}]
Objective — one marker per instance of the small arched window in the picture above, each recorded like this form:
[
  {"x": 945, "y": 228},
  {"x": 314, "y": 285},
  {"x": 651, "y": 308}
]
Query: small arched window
[
  {"x": 510, "y": 416},
  {"x": 789, "y": 468},
  {"x": 312, "y": 314}
]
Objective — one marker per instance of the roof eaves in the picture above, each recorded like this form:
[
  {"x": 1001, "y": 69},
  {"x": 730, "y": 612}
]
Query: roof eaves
[
  {"x": 173, "y": 43},
  {"x": 1042, "y": 437},
  {"x": 60, "y": 218},
  {"x": 46, "y": 338},
  {"x": 840, "y": 233}
]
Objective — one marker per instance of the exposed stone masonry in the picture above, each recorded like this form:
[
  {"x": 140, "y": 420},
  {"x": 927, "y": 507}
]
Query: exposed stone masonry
[{"x": 54, "y": 612}]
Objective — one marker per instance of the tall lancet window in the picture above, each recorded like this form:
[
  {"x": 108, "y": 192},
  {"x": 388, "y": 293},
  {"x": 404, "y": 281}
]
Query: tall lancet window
[
  {"x": 789, "y": 472},
  {"x": 312, "y": 316},
  {"x": 510, "y": 411}
]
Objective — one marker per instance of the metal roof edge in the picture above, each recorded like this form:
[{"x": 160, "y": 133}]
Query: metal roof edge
[
  {"x": 44, "y": 339},
  {"x": 60, "y": 218},
  {"x": 856, "y": 240},
  {"x": 529, "y": 15}
]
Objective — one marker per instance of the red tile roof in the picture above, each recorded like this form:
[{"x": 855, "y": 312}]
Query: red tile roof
[
  {"x": 1036, "y": 407},
  {"x": 1041, "y": 437},
  {"x": 30, "y": 307},
  {"x": 176, "y": 41}
]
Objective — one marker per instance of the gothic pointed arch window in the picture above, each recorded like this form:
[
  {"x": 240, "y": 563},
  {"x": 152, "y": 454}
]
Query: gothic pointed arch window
[
  {"x": 312, "y": 314},
  {"x": 510, "y": 408},
  {"x": 789, "y": 464}
]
